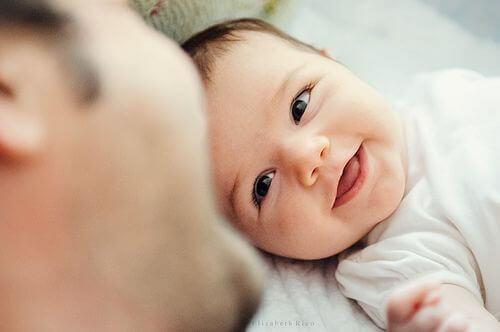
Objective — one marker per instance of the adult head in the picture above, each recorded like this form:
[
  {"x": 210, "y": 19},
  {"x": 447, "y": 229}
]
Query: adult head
[{"x": 106, "y": 213}]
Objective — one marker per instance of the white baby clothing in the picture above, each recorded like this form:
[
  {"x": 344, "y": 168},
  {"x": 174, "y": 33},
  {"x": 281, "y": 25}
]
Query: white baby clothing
[{"x": 448, "y": 223}]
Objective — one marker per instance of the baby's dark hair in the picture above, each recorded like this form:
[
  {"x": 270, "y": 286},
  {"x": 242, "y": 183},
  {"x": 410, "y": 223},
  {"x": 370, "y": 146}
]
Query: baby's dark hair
[{"x": 208, "y": 45}]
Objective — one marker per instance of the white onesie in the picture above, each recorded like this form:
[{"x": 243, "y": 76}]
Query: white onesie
[{"x": 448, "y": 223}]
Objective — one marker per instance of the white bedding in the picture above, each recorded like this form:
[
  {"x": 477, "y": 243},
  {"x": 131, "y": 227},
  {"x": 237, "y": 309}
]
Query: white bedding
[
  {"x": 304, "y": 296},
  {"x": 385, "y": 42}
]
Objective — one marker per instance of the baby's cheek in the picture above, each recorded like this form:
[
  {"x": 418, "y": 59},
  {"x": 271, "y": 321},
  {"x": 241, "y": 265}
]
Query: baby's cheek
[
  {"x": 274, "y": 231},
  {"x": 291, "y": 217},
  {"x": 302, "y": 224},
  {"x": 389, "y": 194}
]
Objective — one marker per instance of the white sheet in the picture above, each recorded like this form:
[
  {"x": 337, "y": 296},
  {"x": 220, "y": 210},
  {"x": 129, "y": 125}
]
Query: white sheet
[
  {"x": 385, "y": 42},
  {"x": 304, "y": 296}
]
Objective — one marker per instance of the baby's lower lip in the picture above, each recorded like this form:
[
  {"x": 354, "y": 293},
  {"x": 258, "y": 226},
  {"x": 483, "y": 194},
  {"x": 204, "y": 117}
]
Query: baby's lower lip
[{"x": 358, "y": 183}]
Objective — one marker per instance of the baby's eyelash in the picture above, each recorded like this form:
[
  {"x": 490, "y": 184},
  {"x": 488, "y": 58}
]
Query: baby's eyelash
[
  {"x": 254, "y": 199},
  {"x": 254, "y": 202},
  {"x": 308, "y": 87}
]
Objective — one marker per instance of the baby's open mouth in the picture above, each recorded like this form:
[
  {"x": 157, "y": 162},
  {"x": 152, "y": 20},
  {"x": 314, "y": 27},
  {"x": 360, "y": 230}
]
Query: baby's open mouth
[
  {"x": 349, "y": 175},
  {"x": 351, "y": 179}
]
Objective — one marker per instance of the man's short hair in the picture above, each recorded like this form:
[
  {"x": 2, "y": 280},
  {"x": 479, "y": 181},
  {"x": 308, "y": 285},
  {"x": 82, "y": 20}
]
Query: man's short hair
[
  {"x": 208, "y": 45},
  {"x": 31, "y": 13},
  {"x": 42, "y": 17}
]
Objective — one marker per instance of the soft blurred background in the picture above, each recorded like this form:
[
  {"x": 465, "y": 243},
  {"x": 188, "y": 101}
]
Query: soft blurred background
[
  {"x": 387, "y": 41},
  {"x": 384, "y": 41}
]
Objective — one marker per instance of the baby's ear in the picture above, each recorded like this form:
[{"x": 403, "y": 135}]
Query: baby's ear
[
  {"x": 326, "y": 52},
  {"x": 21, "y": 130}
]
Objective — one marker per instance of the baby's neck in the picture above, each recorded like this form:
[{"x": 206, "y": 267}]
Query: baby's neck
[{"x": 404, "y": 146}]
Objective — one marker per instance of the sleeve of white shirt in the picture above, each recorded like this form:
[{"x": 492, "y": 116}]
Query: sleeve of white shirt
[
  {"x": 414, "y": 245},
  {"x": 368, "y": 276}
]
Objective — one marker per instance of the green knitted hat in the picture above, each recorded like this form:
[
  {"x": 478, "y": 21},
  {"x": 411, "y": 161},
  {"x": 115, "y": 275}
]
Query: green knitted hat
[{"x": 179, "y": 19}]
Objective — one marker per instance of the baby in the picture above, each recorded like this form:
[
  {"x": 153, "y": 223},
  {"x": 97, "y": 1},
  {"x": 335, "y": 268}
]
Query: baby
[{"x": 309, "y": 160}]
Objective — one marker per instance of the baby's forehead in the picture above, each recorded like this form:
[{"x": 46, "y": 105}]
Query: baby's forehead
[
  {"x": 261, "y": 43},
  {"x": 213, "y": 46},
  {"x": 242, "y": 59}
]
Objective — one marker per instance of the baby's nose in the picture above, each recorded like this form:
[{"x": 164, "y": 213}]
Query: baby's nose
[{"x": 304, "y": 156}]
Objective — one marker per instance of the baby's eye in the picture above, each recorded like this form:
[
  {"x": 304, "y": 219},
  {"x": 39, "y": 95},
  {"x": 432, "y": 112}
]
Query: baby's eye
[
  {"x": 261, "y": 187},
  {"x": 299, "y": 105}
]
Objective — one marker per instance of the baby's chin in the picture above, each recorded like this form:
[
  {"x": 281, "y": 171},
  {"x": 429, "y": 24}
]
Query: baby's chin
[{"x": 307, "y": 253}]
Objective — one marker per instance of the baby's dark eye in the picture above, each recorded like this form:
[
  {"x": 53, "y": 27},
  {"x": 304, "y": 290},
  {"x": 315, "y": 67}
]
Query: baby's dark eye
[
  {"x": 261, "y": 187},
  {"x": 299, "y": 105}
]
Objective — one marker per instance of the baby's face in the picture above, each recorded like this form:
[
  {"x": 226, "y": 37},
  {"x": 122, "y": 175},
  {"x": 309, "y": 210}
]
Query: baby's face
[{"x": 307, "y": 158}]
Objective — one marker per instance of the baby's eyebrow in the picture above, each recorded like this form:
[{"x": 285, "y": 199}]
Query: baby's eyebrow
[{"x": 287, "y": 82}]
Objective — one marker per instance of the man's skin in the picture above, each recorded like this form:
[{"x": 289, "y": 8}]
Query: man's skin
[{"x": 106, "y": 215}]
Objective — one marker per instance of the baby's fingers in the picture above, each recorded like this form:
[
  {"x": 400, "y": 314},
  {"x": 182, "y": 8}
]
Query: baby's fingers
[
  {"x": 407, "y": 299},
  {"x": 432, "y": 318},
  {"x": 454, "y": 323}
]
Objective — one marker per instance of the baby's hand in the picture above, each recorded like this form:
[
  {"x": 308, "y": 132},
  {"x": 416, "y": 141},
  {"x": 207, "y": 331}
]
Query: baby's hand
[{"x": 419, "y": 306}]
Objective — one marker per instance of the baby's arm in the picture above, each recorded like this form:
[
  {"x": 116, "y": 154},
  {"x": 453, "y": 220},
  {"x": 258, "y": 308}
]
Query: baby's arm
[{"x": 431, "y": 306}]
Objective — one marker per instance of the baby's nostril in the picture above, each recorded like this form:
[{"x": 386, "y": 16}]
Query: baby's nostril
[
  {"x": 6, "y": 90},
  {"x": 314, "y": 174},
  {"x": 323, "y": 153}
]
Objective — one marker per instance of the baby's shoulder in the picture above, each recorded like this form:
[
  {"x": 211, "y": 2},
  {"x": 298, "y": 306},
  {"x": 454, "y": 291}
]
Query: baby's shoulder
[
  {"x": 444, "y": 80},
  {"x": 453, "y": 91},
  {"x": 454, "y": 113}
]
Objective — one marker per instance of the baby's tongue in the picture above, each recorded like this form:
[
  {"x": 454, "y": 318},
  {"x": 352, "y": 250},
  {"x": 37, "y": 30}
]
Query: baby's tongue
[{"x": 349, "y": 176}]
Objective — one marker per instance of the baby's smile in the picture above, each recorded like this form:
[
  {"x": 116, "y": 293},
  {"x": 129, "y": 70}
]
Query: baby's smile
[{"x": 353, "y": 177}]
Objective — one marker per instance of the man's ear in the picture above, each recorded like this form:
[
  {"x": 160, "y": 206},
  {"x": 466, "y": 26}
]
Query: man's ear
[{"x": 21, "y": 130}]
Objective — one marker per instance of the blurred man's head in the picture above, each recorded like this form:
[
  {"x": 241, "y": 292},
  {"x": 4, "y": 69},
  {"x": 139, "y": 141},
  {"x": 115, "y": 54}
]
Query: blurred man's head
[{"x": 98, "y": 116}]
